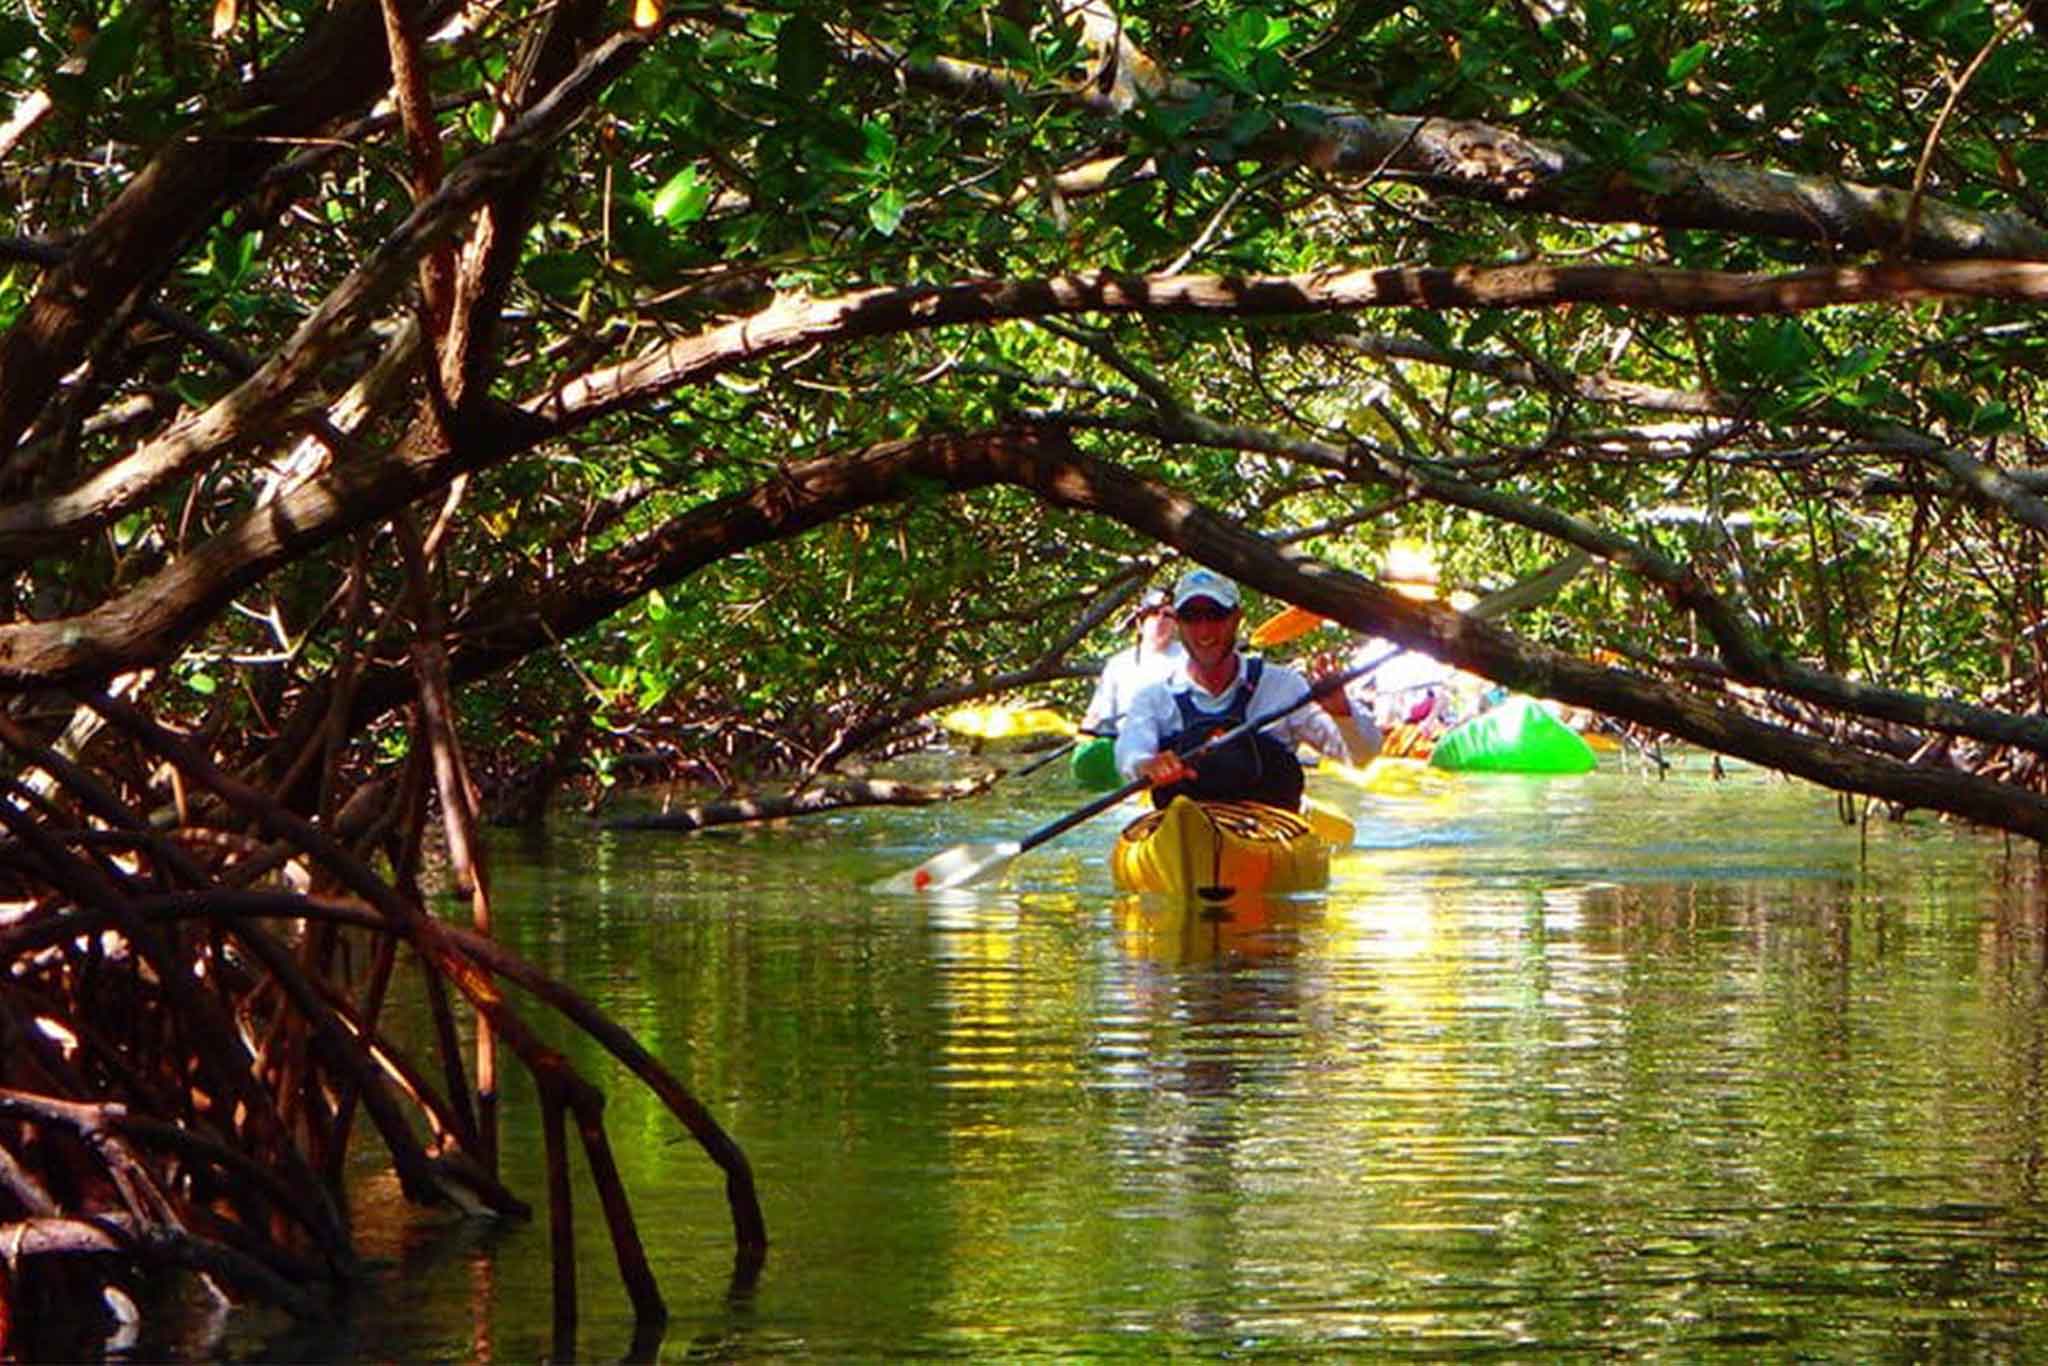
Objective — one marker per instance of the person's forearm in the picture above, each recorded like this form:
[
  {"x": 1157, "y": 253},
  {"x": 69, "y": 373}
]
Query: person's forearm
[
  {"x": 1132, "y": 750},
  {"x": 1360, "y": 736}
]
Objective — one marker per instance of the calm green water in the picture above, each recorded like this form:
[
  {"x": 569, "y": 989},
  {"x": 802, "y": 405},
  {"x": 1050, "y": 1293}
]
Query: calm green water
[{"x": 1581, "y": 1067}]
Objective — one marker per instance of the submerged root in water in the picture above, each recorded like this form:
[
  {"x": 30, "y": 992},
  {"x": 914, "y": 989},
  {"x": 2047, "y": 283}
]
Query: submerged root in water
[{"x": 191, "y": 1036}]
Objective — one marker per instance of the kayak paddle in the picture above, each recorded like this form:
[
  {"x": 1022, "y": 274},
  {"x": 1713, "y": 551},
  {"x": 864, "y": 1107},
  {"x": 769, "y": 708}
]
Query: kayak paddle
[
  {"x": 966, "y": 864},
  {"x": 1055, "y": 752},
  {"x": 1284, "y": 625}
]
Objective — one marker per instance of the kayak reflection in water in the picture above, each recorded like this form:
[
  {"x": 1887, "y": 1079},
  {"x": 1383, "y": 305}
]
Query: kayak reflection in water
[{"x": 1217, "y": 689}]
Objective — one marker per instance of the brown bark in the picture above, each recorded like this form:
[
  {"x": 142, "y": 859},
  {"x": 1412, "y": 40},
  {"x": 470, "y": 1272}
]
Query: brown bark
[
  {"x": 859, "y": 737},
  {"x": 797, "y": 321},
  {"x": 469, "y": 961},
  {"x": 264, "y": 402},
  {"x": 491, "y": 257},
  {"x": 423, "y": 151},
  {"x": 148, "y": 623},
  {"x": 561, "y": 1222}
]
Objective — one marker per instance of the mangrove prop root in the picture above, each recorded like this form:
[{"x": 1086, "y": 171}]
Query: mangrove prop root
[
  {"x": 188, "y": 1031},
  {"x": 829, "y": 797}
]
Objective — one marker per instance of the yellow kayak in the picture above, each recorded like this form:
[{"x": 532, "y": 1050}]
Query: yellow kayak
[
  {"x": 1194, "y": 847},
  {"x": 1390, "y": 777},
  {"x": 997, "y": 724}
]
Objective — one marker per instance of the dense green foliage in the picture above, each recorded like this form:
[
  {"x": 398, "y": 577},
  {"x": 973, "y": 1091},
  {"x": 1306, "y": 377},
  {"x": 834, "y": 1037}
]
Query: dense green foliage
[{"x": 1789, "y": 460}]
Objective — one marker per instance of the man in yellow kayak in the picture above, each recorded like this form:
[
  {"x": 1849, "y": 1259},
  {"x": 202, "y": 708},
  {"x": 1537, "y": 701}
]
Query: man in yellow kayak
[
  {"x": 1218, "y": 689},
  {"x": 1153, "y": 658}
]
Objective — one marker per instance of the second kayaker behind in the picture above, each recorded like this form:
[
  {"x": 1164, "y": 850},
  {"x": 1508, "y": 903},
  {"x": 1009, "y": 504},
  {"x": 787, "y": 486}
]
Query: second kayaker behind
[
  {"x": 1152, "y": 658},
  {"x": 1217, "y": 689}
]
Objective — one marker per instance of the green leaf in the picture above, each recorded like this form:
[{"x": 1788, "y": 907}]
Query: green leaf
[
  {"x": 1249, "y": 123},
  {"x": 840, "y": 137},
  {"x": 1489, "y": 322},
  {"x": 561, "y": 273},
  {"x": 885, "y": 211},
  {"x": 1013, "y": 41},
  {"x": 1430, "y": 325},
  {"x": 1276, "y": 33},
  {"x": 801, "y": 55},
  {"x": 878, "y": 145},
  {"x": 1686, "y": 62},
  {"x": 1228, "y": 46},
  {"x": 683, "y": 199},
  {"x": 1599, "y": 20},
  {"x": 1952, "y": 405},
  {"x": 12, "y": 296},
  {"x": 113, "y": 50},
  {"x": 1778, "y": 347},
  {"x": 1858, "y": 362},
  {"x": 1993, "y": 418}
]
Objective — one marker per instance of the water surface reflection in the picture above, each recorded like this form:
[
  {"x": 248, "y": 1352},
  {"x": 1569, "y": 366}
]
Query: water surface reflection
[{"x": 1597, "y": 1065}]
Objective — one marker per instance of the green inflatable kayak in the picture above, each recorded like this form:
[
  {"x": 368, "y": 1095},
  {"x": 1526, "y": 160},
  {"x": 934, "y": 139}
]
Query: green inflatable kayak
[
  {"x": 1518, "y": 736},
  {"x": 1094, "y": 764}
]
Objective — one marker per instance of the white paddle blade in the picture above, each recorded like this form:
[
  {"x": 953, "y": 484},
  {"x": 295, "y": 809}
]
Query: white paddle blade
[
  {"x": 1538, "y": 587},
  {"x": 961, "y": 866}
]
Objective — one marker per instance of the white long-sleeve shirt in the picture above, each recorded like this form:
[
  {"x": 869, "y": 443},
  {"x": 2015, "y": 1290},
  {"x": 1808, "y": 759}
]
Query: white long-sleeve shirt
[
  {"x": 1126, "y": 673},
  {"x": 1153, "y": 716}
]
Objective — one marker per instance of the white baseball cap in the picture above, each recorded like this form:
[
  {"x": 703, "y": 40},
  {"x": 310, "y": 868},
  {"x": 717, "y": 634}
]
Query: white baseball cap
[
  {"x": 1150, "y": 601},
  {"x": 1204, "y": 583}
]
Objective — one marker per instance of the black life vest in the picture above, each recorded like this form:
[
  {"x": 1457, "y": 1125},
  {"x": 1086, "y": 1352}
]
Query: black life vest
[{"x": 1256, "y": 768}]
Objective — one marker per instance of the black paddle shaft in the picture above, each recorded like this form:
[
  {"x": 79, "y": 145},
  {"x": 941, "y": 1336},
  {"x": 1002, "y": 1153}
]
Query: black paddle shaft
[
  {"x": 1042, "y": 760},
  {"x": 1322, "y": 687}
]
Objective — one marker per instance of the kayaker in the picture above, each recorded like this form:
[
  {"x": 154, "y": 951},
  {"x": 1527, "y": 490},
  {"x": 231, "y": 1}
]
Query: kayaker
[
  {"x": 1219, "y": 688},
  {"x": 1152, "y": 658},
  {"x": 1408, "y": 686}
]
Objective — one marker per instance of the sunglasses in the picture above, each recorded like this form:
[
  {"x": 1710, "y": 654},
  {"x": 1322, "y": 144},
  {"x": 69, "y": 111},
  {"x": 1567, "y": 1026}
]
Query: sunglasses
[{"x": 1195, "y": 612}]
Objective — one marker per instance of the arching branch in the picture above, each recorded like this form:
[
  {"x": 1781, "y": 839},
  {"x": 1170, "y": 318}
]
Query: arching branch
[
  {"x": 1045, "y": 461},
  {"x": 153, "y": 619}
]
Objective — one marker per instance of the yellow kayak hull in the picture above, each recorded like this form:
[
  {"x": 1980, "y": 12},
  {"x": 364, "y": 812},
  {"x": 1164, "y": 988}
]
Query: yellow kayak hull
[
  {"x": 1197, "y": 848},
  {"x": 1331, "y": 826},
  {"x": 1005, "y": 723}
]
